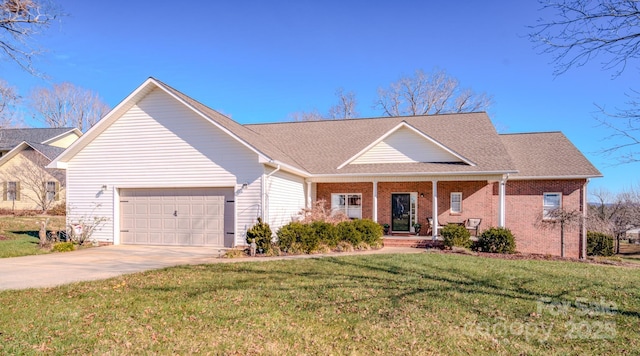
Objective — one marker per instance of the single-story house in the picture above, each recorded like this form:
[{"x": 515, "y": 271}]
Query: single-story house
[
  {"x": 162, "y": 168},
  {"x": 24, "y": 153}
]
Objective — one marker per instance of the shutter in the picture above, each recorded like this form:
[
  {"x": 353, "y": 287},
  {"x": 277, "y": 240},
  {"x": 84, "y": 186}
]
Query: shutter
[
  {"x": 4, "y": 191},
  {"x": 56, "y": 196},
  {"x": 18, "y": 190}
]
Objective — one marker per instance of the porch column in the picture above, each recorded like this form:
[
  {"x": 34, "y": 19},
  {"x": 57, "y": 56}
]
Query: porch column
[
  {"x": 375, "y": 200},
  {"x": 308, "y": 195},
  {"x": 501, "y": 201},
  {"x": 434, "y": 208}
]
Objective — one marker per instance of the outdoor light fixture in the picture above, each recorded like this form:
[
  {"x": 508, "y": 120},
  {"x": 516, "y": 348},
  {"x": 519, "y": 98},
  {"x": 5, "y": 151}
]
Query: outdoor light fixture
[
  {"x": 104, "y": 187},
  {"x": 421, "y": 195},
  {"x": 245, "y": 185}
]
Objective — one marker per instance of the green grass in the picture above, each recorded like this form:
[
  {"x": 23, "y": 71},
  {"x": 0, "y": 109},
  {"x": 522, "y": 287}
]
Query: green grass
[
  {"x": 361, "y": 305},
  {"x": 19, "y": 235}
]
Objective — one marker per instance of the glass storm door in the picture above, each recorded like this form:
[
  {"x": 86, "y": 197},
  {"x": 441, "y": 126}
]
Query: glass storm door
[{"x": 403, "y": 210}]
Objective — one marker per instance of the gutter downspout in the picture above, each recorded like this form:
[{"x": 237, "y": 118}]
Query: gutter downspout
[
  {"x": 585, "y": 209},
  {"x": 265, "y": 195}
]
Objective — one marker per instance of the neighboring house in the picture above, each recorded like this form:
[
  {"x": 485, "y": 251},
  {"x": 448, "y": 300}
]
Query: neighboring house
[
  {"x": 162, "y": 168},
  {"x": 24, "y": 153},
  {"x": 633, "y": 235}
]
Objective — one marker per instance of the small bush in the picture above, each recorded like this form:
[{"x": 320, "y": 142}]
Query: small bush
[
  {"x": 326, "y": 232},
  {"x": 456, "y": 235},
  {"x": 260, "y": 233},
  {"x": 599, "y": 244},
  {"x": 370, "y": 231},
  {"x": 296, "y": 236},
  {"x": 496, "y": 240},
  {"x": 348, "y": 232},
  {"x": 320, "y": 212},
  {"x": 344, "y": 246},
  {"x": 58, "y": 210},
  {"x": 63, "y": 247}
]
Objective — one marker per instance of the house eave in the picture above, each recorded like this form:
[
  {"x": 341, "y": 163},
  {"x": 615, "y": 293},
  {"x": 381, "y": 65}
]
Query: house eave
[{"x": 555, "y": 177}]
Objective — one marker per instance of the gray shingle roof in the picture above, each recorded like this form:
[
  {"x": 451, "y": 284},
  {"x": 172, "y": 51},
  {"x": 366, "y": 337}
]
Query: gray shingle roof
[
  {"x": 10, "y": 138},
  {"x": 547, "y": 154},
  {"x": 322, "y": 146}
]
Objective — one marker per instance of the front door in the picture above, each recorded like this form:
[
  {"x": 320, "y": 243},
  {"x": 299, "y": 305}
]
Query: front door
[{"x": 403, "y": 209}]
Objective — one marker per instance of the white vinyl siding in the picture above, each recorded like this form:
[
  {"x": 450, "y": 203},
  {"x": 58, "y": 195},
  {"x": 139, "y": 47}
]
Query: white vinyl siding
[
  {"x": 405, "y": 146},
  {"x": 456, "y": 203},
  {"x": 285, "y": 198},
  {"x": 160, "y": 143},
  {"x": 551, "y": 202},
  {"x": 350, "y": 204}
]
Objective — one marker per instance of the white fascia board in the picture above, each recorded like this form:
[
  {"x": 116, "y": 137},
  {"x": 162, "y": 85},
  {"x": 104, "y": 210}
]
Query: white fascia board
[
  {"x": 286, "y": 167},
  {"x": 555, "y": 177},
  {"x": 396, "y": 128},
  {"x": 102, "y": 124},
  {"x": 74, "y": 130},
  {"x": 216, "y": 124},
  {"x": 470, "y": 173}
]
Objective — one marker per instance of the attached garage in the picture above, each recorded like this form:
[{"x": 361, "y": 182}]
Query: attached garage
[{"x": 177, "y": 216}]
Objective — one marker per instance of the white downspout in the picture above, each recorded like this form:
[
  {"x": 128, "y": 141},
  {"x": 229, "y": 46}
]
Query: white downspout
[
  {"x": 375, "y": 200},
  {"x": 585, "y": 209},
  {"x": 434, "y": 209},
  {"x": 308, "y": 194},
  {"x": 265, "y": 195}
]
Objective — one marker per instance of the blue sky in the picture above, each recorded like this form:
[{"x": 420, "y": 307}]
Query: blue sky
[{"x": 260, "y": 61}]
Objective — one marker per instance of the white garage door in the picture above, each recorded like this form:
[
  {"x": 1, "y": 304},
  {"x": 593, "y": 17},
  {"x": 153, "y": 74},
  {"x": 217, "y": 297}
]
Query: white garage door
[{"x": 177, "y": 216}]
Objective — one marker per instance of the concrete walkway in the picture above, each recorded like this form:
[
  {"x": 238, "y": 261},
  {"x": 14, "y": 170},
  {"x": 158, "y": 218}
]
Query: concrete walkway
[{"x": 110, "y": 261}]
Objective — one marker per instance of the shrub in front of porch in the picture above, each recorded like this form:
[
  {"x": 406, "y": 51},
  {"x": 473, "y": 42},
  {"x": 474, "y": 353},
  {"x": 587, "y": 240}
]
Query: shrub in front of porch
[
  {"x": 496, "y": 240},
  {"x": 456, "y": 235}
]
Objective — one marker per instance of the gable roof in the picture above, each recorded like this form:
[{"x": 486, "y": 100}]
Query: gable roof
[
  {"x": 267, "y": 152},
  {"x": 10, "y": 138},
  {"x": 323, "y": 146},
  {"x": 547, "y": 155}
]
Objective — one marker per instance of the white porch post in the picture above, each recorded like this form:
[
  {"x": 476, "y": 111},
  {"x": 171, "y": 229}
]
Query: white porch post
[
  {"x": 501, "y": 202},
  {"x": 375, "y": 200},
  {"x": 308, "y": 195},
  {"x": 583, "y": 248},
  {"x": 434, "y": 208}
]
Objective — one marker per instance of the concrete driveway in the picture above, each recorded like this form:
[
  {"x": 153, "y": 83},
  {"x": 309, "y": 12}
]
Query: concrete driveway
[
  {"x": 96, "y": 263},
  {"x": 110, "y": 261}
]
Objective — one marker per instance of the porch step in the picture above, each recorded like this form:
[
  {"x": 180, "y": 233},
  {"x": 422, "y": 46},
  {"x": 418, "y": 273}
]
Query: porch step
[{"x": 410, "y": 242}]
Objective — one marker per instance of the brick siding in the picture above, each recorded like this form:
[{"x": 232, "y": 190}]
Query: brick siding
[{"x": 479, "y": 200}]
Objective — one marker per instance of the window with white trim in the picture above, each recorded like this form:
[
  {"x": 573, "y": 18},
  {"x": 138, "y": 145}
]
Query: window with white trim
[
  {"x": 350, "y": 204},
  {"x": 11, "y": 192},
  {"x": 456, "y": 202},
  {"x": 51, "y": 191},
  {"x": 551, "y": 202}
]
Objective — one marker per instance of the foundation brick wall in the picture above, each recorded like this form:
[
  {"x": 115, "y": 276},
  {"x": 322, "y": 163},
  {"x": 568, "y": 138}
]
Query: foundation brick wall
[{"x": 524, "y": 207}]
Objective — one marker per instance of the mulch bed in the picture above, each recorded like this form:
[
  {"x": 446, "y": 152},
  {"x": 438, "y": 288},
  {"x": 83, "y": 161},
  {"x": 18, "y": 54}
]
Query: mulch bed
[
  {"x": 539, "y": 257},
  {"x": 2, "y": 237}
]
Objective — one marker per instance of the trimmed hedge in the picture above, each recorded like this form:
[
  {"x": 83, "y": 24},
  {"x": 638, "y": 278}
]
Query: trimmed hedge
[
  {"x": 496, "y": 240},
  {"x": 599, "y": 244},
  {"x": 300, "y": 237},
  {"x": 456, "y": 235}
]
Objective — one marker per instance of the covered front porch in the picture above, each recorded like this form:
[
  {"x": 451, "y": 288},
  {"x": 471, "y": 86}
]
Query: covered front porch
[{"x": 419, "y": 206}]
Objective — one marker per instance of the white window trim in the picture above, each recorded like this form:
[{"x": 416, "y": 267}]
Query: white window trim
[
  {"x": 347, "y": 208},
  {"x": 13, "y": 191},
  {"x": 451, "y": 203},
  {"x": 546, "y": 208},
  {"x": 53, "y": 192}
]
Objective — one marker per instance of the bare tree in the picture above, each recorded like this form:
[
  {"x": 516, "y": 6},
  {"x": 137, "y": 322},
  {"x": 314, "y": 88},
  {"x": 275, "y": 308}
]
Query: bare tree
[
  {"x": 581, "y": 30},
  {"x": 36, "y": 180},
  {"x": 306, "y": 116},
  {"x": 346, "y": 106},
  {"x": 429, "y": 93},
  {"x": 614, "y": 214},
  {"x": 20, "y": 21},
  {"x": 65, "y": 105},
  {"x": 559, "y": 219},
  {"x": 9, "y": 99}
]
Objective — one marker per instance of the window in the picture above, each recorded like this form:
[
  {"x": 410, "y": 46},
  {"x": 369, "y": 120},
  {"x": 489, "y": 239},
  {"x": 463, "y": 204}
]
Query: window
[
  {"x": 350, "y": 204},
  {"x": 51, "y": 191},
  {"x": 12, "y": 191},
  {"x": 551, "y": 202},
  {"x": 456, "y": 202}
]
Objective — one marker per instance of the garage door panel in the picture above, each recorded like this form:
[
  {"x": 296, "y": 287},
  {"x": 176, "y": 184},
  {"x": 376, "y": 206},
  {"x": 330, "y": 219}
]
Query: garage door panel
[{"x": 177, "y": 216}]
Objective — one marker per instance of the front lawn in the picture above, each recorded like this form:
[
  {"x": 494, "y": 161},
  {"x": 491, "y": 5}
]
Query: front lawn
[
  {"x": 19, "y": 235},
  {"x": 430, "y": 303}
]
